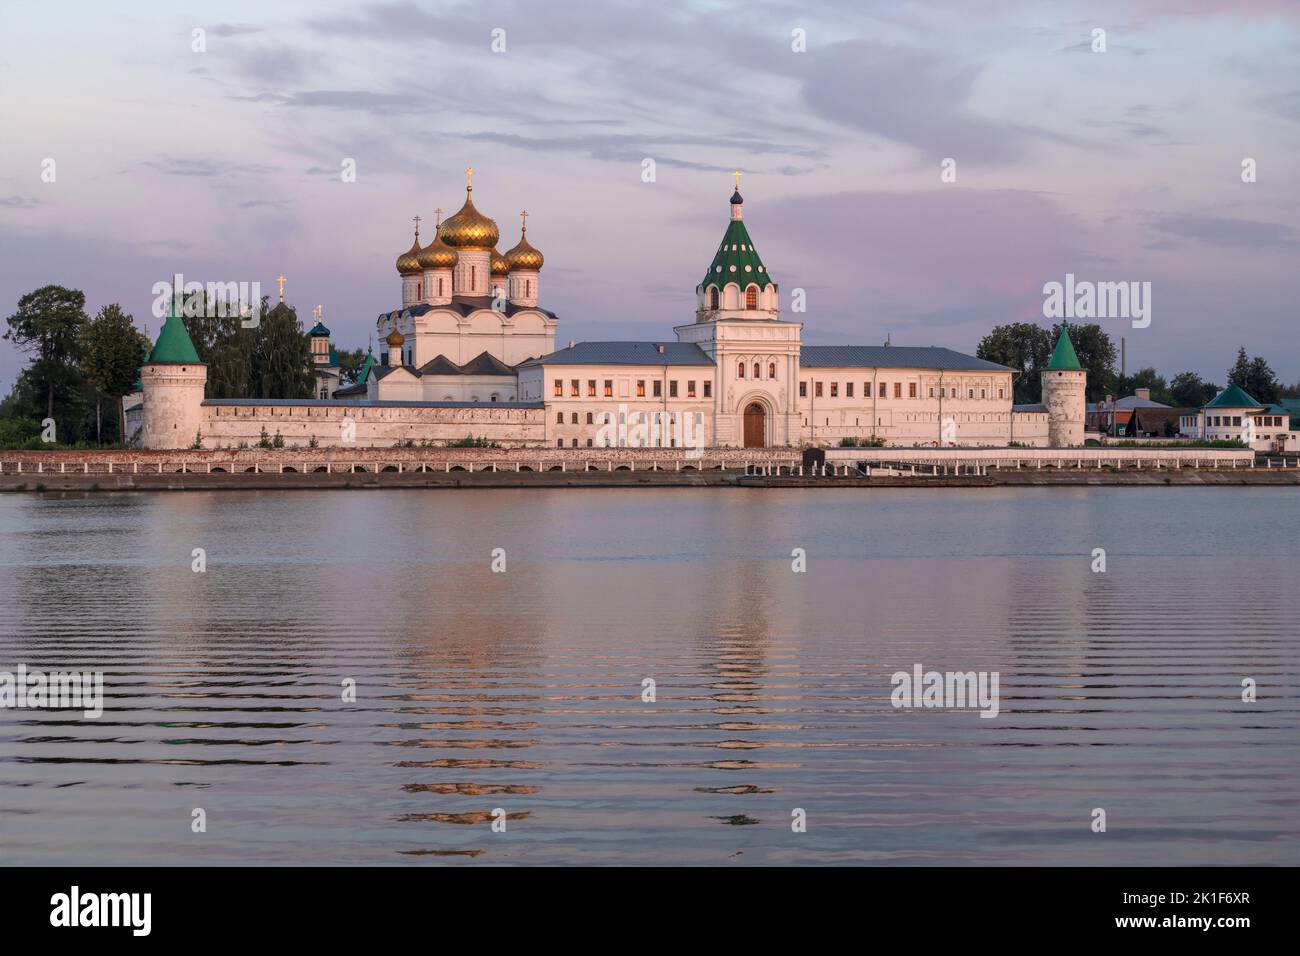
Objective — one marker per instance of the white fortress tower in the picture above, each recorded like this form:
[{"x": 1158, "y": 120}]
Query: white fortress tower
[
  {"x": 173, "y": 379},
  {"x": 1064, "y": 384}
]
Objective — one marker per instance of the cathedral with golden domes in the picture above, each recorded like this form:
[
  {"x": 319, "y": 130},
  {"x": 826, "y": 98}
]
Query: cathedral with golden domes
[
  {"x": 469, "y": 315},
  {"x": 470, "y": 352}
]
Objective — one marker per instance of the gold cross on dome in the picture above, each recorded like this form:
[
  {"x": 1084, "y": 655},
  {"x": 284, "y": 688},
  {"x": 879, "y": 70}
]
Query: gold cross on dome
[
  {"x": 281, "y": 280},
  {"x": 737, "y": 175},
  {"x": 438, "y": 221},
  {"x": 523, "y": 218},
  {"x": 469, "y": 177},
  {"x": 417, "y": 226},
  {"x": 318, "y": 312}
]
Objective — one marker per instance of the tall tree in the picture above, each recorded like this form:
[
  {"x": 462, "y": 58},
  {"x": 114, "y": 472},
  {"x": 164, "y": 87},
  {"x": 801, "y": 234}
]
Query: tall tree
[
  {"x": 1188, "y": 390},
  {"x": 224, "y": 345},
  {"x": 1096, "y": 353},
  {"x": 111, "y": 354},
  {"x": 1146, "y": 378},
  {"x": 1022, "y": 346},
  {"x": 48, "y": 325},
  {"x": 282, "y": 357},
  {"x": 1254, "y": 377}
]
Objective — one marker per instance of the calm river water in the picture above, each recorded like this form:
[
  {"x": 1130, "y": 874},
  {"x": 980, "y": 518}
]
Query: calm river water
[{"x": 522, "y": 690}]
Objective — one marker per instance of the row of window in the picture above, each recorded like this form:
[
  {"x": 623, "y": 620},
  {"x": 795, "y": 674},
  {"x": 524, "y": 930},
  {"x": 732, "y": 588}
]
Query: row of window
[
  {"x": 758, "y": 370},
  {"x": 607, "y": 418},
  {"x": 575, "y": 388},
  {"x": 573, "y": 443},
  {"x": 883, "y": 392},
  {"x": 751, "y": 299}
]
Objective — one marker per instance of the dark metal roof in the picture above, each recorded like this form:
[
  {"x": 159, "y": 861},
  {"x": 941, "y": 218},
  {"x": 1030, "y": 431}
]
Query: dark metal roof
[
  {"x": 382, "y": 371},
  {"x": 1035, "y": 407},
  {"x": 626, "y": 353},
  {"x": 893, "y": 356},
  {"x": 482, "y": 364},
  {"x": 328, "y": 403},
  {"x": 440, "y": 365},
  {"x": 486, "y": 364}
]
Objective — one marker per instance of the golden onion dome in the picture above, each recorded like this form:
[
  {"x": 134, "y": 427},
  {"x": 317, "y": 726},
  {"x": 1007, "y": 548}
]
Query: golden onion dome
[
  {"x": 524, "y": 256},
  {"x": 395, "y": 338},
  {"x": 500, "y": 266},
  {"x": 408, "y": 262},
  {"x": 469, "y": 228},
  {"x": 437, "y": 254}
]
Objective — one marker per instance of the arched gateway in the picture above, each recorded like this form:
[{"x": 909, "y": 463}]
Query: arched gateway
[{"x": 755, "y": 425}]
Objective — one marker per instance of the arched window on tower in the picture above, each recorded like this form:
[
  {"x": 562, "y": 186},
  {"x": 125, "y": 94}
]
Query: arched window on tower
[
  {"x": 528, "y": 288},
  {"x": 440, "y": 288},
  {"x": 751, "y": 298},
  {"x": 740, "y": 370},
  {"x": 713, "y": 297},
  {"x": 771, "y": 370},
  {"x": 758, "y": 370}
]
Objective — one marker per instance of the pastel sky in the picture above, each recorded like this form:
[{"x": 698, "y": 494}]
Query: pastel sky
[{"x": 225, "y": 164}]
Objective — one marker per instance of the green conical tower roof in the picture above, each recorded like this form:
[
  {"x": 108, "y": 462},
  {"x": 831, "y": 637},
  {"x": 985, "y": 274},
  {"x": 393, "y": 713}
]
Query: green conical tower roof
[
  {"x": 174, "y": 346},
  {"x": 1063, "y": 356},
  {"x": 736, "y": 261}
]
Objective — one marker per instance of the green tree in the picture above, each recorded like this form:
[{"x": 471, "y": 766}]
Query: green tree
[
  {"x": 1146, "y": 378},
  {"x": 281, "y": 365},
  {"x": 350, "y": 361},
  {"x": 48, "y": 325},
  {"x": 1022, "y": 346},
  {"x": 1255, "y": 378},
  {"x": 1096, "y": 353},
  {"x": 225, "y": 346},
  {"x": 111, "y": 354},
  {"x": 1188, "y": 390}
]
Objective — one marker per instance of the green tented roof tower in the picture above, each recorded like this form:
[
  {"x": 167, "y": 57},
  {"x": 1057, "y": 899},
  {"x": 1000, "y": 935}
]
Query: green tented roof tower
[
  {"x": 737, "y": 284},
  {"x": 173, "y": 381},
  {"x": 174, "y": 346},
  {"x": 1064, "y": 357}
]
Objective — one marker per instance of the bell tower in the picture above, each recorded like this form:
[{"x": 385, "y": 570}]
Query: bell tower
[
  {"x": 737, "y": 284},
  {"x": 738, "y": 325}
]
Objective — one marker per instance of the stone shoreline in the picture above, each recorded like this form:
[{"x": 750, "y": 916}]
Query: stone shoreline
[{"x": 726, "y": 478}]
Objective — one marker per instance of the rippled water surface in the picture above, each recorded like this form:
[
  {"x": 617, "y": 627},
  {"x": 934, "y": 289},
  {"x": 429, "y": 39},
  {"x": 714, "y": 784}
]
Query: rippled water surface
[{"x": 523, "y": 690}]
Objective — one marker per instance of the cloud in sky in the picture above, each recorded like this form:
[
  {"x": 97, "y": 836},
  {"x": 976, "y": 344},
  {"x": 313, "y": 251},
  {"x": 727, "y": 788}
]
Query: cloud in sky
[{"x": 1118, "y": 165}]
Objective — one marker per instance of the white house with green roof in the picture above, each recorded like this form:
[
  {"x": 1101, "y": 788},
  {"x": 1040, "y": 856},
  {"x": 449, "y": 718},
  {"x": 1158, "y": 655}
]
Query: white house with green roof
[{"x": 1235, "y": 415}]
